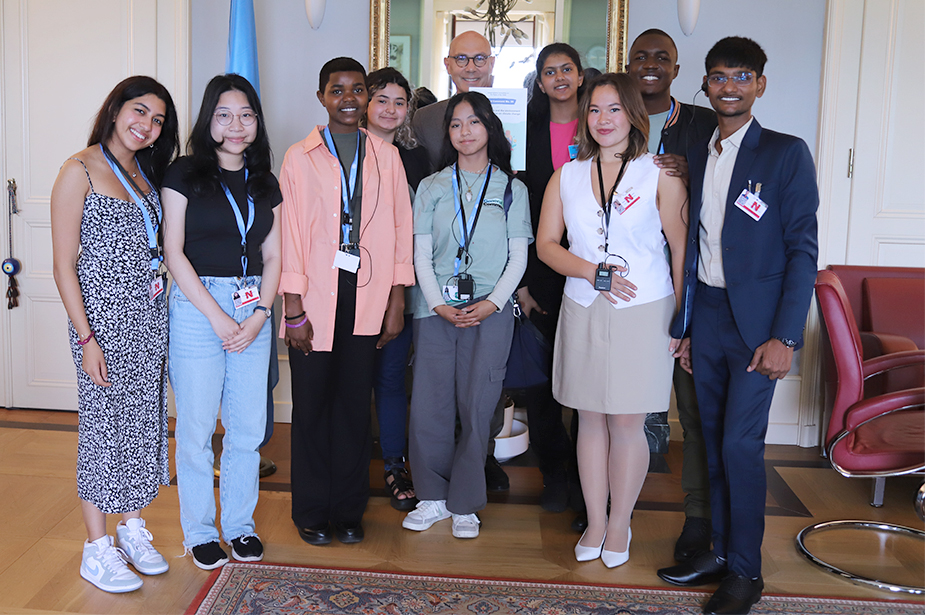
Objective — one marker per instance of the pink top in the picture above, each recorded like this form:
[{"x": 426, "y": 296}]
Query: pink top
[
  {"x": 311, "y": 208},
  {"x": 560, "y": 137}
]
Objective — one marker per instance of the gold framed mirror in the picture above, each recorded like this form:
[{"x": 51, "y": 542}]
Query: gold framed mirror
[{"x": 379, "y": 48}]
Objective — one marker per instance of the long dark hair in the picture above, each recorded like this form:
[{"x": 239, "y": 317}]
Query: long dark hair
[
  {"x": 377, "y": 80},
  {"x": 205, "y": 176},
  {"x": 538, "y": 107},
  {"x": 152, "y": 160},
  {"x": 499, "y": 148},
  {"x": 633, "y": 107}
]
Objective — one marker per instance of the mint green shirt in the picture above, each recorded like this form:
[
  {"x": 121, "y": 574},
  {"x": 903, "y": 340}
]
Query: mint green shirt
[{"x": 435, "y": 215}]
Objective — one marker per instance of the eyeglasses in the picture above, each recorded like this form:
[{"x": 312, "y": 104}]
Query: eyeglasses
[
  {"x": 743, "y": 78},
  {"x": 462, "y": 61},
  {"x": 224, "y": 118}
]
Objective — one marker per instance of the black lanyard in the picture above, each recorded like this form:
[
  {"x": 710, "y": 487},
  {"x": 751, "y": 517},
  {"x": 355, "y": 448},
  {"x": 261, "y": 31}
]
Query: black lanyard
[
  {"x": 605, "y": 200},
  {"x": 468, "y": 232}
]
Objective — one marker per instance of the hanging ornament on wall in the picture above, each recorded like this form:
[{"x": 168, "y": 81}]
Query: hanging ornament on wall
[
  {"x": 688, "y": 12},
  {"x": 11, "y": 266},
  {"x": 315, "y": 11}
]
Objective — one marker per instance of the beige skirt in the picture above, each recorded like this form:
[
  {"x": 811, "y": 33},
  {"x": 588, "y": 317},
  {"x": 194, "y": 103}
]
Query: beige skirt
[{"x": 613, "y": 361}]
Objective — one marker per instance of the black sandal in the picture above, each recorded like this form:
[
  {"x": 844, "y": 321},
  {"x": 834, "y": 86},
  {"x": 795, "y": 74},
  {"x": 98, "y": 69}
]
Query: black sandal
[{"x": 401, "y": 483}]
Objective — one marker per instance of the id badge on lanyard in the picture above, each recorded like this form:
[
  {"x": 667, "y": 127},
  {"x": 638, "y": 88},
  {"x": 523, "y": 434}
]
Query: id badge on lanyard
[
  {"x": 155, "y": 287},
  {"x": 347, "y": 257},
  {"x": 249, "y": 294}
]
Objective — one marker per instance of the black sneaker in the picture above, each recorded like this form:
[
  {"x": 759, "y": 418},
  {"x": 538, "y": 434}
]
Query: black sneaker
[
  {"x": 210, "y": 556},
  {"x": 495, "y": 477},
  {"x": 247, "y": 549}
]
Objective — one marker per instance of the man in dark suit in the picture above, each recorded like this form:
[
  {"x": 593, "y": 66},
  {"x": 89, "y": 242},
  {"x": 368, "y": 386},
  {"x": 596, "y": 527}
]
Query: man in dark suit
[{"x": 749, "y": 273}]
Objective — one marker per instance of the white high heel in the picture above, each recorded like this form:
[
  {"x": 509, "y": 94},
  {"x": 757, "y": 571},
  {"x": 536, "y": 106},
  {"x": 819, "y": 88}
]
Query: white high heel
[
  {"x": 612, "y": 559},
  {"x": 586, "y": 554}
]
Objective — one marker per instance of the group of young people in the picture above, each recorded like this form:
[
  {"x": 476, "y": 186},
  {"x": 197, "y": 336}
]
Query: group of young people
[{"x": 383, "y": 232}]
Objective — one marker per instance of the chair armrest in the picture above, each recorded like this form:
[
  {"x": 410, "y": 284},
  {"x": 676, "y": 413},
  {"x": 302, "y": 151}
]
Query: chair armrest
[
  {"x": 868, "y": 409},
  {"x": 876, "y": 343},
  {"x": 896, "y": 360}
]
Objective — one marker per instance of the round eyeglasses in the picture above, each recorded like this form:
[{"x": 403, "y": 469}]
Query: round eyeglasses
[
  {"x": 224, "y": 118},
  {"x": 462, "y": 61}
]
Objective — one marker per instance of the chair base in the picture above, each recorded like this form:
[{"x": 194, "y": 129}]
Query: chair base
[{"x": 856, "y": 578}]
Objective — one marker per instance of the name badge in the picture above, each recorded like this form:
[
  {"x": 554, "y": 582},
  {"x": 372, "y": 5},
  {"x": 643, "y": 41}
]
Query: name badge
[
  {"x": 156, "y": 287},
  {"x": 750, "y": 203},
  {"x": 346, "y": 261},
  {"x": 245, "y": 296},
  {"x": 572, "y": 152},
  {"x": 451, "y": 293},
  {"x": 625, "y": 200}
]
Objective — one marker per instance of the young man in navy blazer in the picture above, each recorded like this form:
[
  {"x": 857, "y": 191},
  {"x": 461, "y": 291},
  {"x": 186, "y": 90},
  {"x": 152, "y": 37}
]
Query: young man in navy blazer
[{"x": 749, "y": 273}]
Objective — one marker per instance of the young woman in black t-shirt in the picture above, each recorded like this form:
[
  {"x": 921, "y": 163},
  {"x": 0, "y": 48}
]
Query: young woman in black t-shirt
[{"x": 222, "y": 245}]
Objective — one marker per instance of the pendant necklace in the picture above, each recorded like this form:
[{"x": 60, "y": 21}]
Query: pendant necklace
[{"x": 468, "y": 194}]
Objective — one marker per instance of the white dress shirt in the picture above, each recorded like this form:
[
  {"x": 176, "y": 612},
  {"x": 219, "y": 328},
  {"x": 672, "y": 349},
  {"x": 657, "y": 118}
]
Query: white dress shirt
[{"x": 716, "y": 180}]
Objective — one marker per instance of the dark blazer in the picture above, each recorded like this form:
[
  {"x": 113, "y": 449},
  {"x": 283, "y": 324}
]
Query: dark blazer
[{"x": 769, "y": 264}]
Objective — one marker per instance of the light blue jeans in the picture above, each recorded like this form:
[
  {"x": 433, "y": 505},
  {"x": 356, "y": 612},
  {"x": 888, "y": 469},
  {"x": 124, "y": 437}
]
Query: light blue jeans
[{"x": 205, "y": 377}]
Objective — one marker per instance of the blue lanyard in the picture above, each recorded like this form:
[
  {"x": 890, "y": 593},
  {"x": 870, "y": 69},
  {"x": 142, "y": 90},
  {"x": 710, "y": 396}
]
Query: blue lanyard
[
  {"x": 240, "y": 220},
  {"x": 345, "y": 196},
  {"x": 150, "y": 227},
  {"x": 466, "y": 233},
  {"x": 661, "y": 146}
]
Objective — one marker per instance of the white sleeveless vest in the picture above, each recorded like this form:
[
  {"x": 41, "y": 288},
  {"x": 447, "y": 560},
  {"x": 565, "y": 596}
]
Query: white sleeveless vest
[{"x": 635, "y": 234}]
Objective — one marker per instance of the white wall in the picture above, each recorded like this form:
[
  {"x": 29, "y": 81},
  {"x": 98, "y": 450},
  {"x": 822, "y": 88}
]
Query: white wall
[
  {"x": 791, "y": 32},
  {"x": 290, "y": 54}
]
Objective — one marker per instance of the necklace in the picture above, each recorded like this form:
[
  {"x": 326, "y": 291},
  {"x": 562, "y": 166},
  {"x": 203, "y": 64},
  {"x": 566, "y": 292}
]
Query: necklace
[{"x": 468, "y": 194}]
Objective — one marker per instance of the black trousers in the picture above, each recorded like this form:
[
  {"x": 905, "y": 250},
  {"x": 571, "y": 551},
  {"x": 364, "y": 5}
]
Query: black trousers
[
  {"x": 331, "y": 437},
  {"x": 548, "y": 437}
]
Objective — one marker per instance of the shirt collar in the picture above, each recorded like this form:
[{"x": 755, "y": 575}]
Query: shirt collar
[{"x": 735, "y": 139}]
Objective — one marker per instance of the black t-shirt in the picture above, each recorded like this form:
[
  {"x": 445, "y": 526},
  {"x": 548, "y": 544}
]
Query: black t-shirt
[
  {"x": 416, "y": 163},
  {"x": 213, "y": 242}
]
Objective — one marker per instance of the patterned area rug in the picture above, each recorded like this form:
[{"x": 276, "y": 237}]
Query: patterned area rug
[{"x": 285, "y": 590}]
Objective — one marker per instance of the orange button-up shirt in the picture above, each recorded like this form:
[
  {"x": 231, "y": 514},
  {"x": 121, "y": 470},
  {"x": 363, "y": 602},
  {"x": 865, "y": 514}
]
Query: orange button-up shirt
[{"x": 310, "y": 182}]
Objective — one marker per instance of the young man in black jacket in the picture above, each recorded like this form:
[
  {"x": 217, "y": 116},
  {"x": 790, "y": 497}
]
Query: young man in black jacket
[{"x": 673, "y": 127}]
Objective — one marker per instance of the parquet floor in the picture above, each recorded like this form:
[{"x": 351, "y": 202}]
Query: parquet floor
[{"x": 42, "y": 530}]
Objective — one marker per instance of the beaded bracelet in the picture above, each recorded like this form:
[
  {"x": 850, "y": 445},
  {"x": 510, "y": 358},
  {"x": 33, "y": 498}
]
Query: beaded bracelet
[
  {"x": 296, "y": 317},
  {"x": 84, "y": 341},
  {"x": 298, "y": 324}
]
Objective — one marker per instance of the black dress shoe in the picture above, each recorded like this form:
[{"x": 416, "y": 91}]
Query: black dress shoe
[
  {"x": 495, "y": 477},
  {"x": 735, "y": 596},
  {"x": 348, "y": 533},
  {"x": 694, "y": 540},
  {"x": 316, "y": 535},
  {"x": 555, "y": 496},
  {"x": 703, "y": 569},
  {"x": 580, "y": 522}
]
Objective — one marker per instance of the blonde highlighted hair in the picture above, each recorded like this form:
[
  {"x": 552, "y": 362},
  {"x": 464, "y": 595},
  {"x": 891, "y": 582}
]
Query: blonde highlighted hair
[{"x": 631, "y": 104}]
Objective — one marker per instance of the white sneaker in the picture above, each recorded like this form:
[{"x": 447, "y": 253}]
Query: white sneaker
[
  {"x": 135, "y": 542},
  {"x": 425, "y": 514},
  {"x": 104, "y": 566},
  {"x": 466, "y": 526}
]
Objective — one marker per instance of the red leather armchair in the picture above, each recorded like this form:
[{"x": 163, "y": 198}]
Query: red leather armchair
[
  {"x": 867, "y": 436},
  {"x": 850, "y": 407}
]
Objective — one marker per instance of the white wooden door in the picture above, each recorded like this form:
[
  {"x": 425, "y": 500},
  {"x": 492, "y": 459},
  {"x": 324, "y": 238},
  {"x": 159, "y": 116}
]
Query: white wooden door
[
  {"x": 886, "y": 224},
  {"x": 60, "y": 58}
]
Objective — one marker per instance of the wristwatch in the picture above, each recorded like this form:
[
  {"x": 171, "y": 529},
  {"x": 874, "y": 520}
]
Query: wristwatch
[
  {"x": 266, "y": 311},
  {"x": 786, "y": 342}
]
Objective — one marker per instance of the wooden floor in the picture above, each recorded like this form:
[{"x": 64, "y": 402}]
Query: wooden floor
[{"x": 42, "y": 531}]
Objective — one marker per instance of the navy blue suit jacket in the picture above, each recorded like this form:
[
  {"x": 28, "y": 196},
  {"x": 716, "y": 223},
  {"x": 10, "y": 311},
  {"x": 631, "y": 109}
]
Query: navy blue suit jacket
[{"x": 769, "y": 264}]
